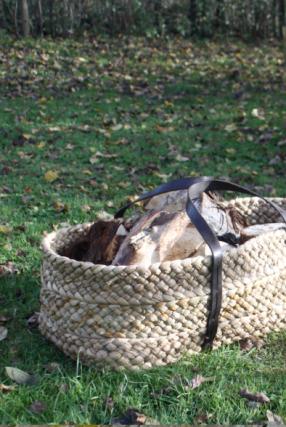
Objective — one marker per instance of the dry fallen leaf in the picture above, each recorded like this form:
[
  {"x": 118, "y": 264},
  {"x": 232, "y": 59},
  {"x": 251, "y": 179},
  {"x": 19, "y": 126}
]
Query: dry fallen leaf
[
  {"x": 38, "y": 407},
  {"x": 8, "y": 268},
  {"x": 4, "y": 229},
  {"x": 33, "y": 320},
  {"x": 95, "y": 158},
  {"x": 249, "y": 343},
  {"x": 20, "y": 377},
  {"x": 117, "y": 127},
  {"x": 7, "y": 388},
  {"x": 51, "y": 176},
  {"x": 4, "y": 319},
  {"x": 197, "y": 381},
  {"x": 255, "y": 397},
  {"x": 131, "y": 417},
  {"x": 274, "y": 419},
  {"x": 181, "y": 158},
  {"x": 60, "y": 207},
  {"x": 230, "y": 127},
  {"x": 3, "y": 333},
  {"x": 258, "y": 113},
  {"x": 52, "y": 367},
  {"x": 109, "y": 403},
  {"x": 85, "y": 208},
  {"x": 162, "y": 129}
]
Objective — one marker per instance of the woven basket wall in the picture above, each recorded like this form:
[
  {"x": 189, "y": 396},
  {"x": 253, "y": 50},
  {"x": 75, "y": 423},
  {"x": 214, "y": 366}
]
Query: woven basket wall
[{"x": 135, "y": 317}]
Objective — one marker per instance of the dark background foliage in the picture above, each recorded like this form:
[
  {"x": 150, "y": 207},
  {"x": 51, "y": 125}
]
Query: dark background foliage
[{"x": 207, "y": 18}]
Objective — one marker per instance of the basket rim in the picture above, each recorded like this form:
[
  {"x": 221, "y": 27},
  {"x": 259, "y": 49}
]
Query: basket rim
[{"x": 47, "y": 248}]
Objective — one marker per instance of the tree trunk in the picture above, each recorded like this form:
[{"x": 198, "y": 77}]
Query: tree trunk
[
  {"x": 281, "y": 17},
  {"x": 40, "y": 17},
  {"x": 219, "y": 15},
  {"x": 157, "y": 14},
  {"x": 25, "y": 20},
  {"x": 51, "y": 18},
  {"x": 193, "y": 16}
]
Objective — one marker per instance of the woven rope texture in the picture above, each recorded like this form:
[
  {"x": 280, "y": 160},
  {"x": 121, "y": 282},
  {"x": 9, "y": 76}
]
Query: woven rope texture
[{"x": 134, "y": 317}]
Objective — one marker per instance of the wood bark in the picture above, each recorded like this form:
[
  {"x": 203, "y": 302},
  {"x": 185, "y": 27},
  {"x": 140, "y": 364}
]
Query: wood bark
[{"x": 100, "y": 245}]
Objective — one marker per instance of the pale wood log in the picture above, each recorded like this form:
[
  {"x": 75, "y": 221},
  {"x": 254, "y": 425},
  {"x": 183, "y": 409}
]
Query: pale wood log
[
  {"x": 172, "y": 202},
  {"x": 204, "y": 249},
  {"x": 259, "y": 229},
  {"x": 165, "y": 236}
]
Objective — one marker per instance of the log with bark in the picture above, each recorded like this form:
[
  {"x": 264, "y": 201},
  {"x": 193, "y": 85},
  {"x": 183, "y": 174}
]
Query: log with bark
[
  {"x": 101, "y": 243},
  {"x": 164, "y": 232},
  {"x": 259, "y": 229},
  {"x": 168, "y": 234}
]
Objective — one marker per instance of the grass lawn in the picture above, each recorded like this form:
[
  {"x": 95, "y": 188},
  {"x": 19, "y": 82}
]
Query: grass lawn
[{"x": 83, "y": 126}]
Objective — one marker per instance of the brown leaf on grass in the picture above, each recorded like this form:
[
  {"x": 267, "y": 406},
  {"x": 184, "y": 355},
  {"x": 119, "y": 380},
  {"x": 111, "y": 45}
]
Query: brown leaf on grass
[
  {"x": 132, "y": 416},
  {"x": 38, "y": 407},
  {"x": 197, "y": 381},
  {"x": 273, "y": 419},
  {"x": 51, "y": 176},
  {"x": 202, "y": 418},
  {"x": 52, "y": 367},
  {"x": 33, "y": 320},
  {"x": 7, "y": 388},
  {"x": 181, "y": 158},
  {"x": 63, "y": 388},
  {"x": 20, "y": 377},
  {"x": 95, "y": 158},
  {"x": 4, "y": 229},
  {"x": 255, "y": 397},
  {"x": 163, "y": 129},
  {"x": 4, "y": 319},
  {"x": 3, "y": 333},
  {"x": 7, "y": 269},
  {"x": 248, "y": 344},
  {"x": 60, "y": 207},
  {"x": 109, "y": 403},
  {"x": 85, "y": 208}
]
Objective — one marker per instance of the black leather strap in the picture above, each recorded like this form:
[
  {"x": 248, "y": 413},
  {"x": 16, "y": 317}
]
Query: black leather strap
[{"x": 196, "y": 186}]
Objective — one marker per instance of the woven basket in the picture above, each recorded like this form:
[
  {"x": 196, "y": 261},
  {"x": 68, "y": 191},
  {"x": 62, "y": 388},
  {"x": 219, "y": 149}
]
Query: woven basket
[{"x": 134, "y": 317}]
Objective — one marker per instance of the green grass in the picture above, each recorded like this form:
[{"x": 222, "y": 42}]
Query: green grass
[{"x": 146, "y": 103}]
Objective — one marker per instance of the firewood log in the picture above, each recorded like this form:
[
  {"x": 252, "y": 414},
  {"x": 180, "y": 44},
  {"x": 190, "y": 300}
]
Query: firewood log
[
  {"x": 165, "y": 236},
  {"x": 104, "y": 240},
  {"x": 171, "y": 202},
  {"x": 259, "y": 229},
  {"x": 204, "y": 249}
]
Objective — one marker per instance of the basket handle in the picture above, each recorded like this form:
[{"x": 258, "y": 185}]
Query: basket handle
[{"x": 196, "y": 186}]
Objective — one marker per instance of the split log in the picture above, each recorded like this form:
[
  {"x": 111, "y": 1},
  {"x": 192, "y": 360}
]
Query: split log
[
  {"x": 165, "y": 236},
  {"x": 101, "y": 243},
  {"x": 172, "y": 202},
  {"x": 204, "y": 250},
  {"x": 259, "y": 229},
  {"x": 105, "y": 238}
]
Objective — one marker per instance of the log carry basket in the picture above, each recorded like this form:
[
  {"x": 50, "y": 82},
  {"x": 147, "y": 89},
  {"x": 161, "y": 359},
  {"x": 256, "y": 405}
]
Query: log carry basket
[{"x": 139, "y": 317}]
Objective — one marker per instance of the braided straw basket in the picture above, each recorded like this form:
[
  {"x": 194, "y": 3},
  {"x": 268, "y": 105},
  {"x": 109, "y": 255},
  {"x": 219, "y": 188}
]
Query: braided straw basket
[{"x": 134, "y": 317}]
